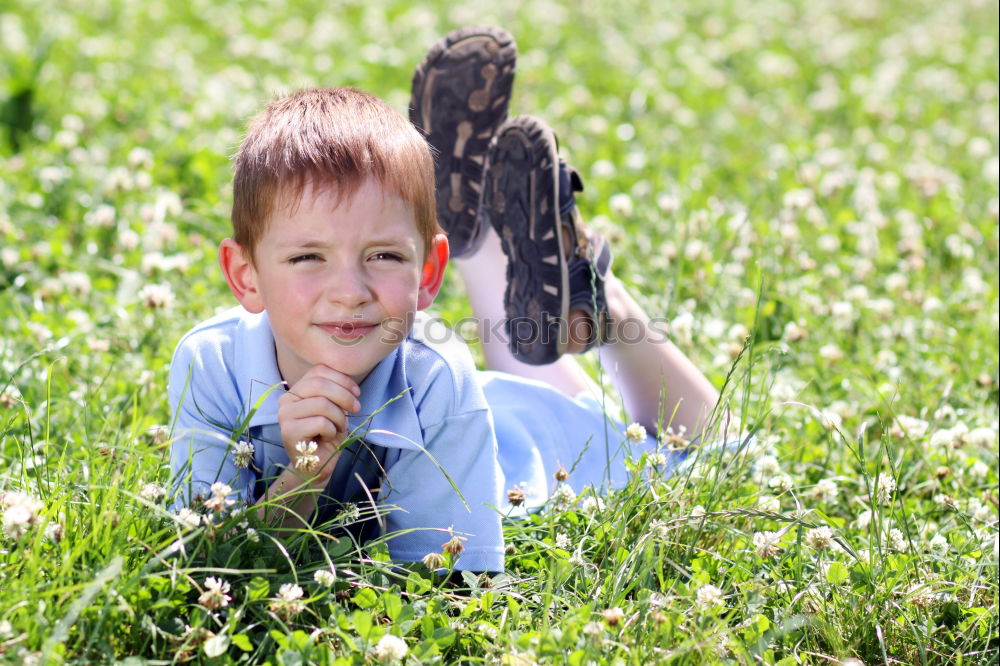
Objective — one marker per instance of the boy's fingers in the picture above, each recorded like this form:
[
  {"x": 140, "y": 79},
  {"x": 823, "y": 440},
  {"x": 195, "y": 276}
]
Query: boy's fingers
[
  {"x": 307, "y": 408},
  {"x": 322, "y": 387},
  {"x": 336, "y": 376},
  {"x": 317, "y": 429}
]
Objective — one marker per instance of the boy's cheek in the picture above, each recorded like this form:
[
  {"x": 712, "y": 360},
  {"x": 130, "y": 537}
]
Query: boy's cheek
[{"x": 394, "y": 330}]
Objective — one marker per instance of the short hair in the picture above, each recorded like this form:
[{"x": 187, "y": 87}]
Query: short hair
[{"x": 335, "y": 137}]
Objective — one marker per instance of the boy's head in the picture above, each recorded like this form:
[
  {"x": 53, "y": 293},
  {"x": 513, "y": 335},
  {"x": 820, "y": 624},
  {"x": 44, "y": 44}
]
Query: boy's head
[
  {"x": 335, "y": 137},
  {"x": 335, "y": 229}
]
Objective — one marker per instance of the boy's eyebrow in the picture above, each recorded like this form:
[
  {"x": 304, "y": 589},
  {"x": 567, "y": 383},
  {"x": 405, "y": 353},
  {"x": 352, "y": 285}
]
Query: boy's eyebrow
[
  {"x": 303, "y": 243},
  {"x": 317, "y": 243}
]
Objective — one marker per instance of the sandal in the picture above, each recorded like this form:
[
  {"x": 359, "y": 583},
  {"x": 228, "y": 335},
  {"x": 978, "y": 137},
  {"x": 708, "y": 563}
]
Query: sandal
[
  {"x": 554, "y": 264},
  {"x": 460, "y": 95}
]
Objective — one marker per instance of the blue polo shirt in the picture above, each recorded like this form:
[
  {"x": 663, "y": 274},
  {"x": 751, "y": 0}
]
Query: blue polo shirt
[
  {"x": 424, "y": 420},
  {"x": 428, "y": 420}
]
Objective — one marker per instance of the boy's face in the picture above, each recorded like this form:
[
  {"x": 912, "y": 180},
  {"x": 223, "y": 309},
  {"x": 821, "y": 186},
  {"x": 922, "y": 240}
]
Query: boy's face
[{"x": 340, "y": 281}]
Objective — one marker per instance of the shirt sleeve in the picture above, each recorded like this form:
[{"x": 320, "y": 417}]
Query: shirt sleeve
[
  {"x": 452, "y": 484},
  {"x": 205, "y": 407}
]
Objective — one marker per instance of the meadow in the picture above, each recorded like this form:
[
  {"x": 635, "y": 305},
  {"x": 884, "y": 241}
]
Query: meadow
[{"x": 806, "y": 192}]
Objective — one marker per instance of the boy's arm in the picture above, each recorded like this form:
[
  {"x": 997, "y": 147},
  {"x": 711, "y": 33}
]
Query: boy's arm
[
  {"x": 312, "y": 415},
  {"x": 204, "y": 410},
  {"x": 461, "y": 450}
]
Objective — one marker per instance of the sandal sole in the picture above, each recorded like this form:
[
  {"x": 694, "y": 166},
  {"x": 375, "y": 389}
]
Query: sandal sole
[
  {"x": 521, "y": 194},
  {"x": 459, "y": 98}
]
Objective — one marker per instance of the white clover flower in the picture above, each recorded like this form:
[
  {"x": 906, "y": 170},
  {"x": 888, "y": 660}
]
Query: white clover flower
[
  {"x": 979, "y": 470},
  {"x": 562, "y": 541},
  {"x": 613, "y": 616},
  {"x": 76, "y": 282},
  {"x": 152, "y": 492},
  {"x": 242, "y": 454},
  {"x": 636, "y": 432},
  {"x": 188, "y": 517},
  {"x": 781, "y": 483},
  {"x": 593, "y": 629},
  {"x": 140, "y": 158},
  {"x": 674, "y": 440},
  {"x": 220, "y": 501},
  {"x": 826, "y": 490},
  {"x": 307, "y": 460},
  {"x": 289, "y": 592},
  {"x": 944, "y": 439},
  {"x": 864, "y": 519},
  {"x": 819, "y": 537},
  {"x": 908, "y": 426},
  {"x": 54, "y": 531},
  {"x": 592, "y": 505},
  {"x": 830, "y": 419},
  {"x": 563, "y": 497},
  {"x": 658, "y": 529},
  {"x": 253, "y": 535},
  {"x": 657, "y": 459},
  {"x": 287, "y": 603},
  {"x": 766, "y": 544},
  {"x": 390, "y": 648},
  {"x": 885, "y": 486},
  {"x": 831, "y": 352},
  {"x": 325, "y": 577},
  {"x": 794, "y": 332},
  {"x": 938, "y": 545},
  {"x": 20, "y": 513},
  {"x": 983, "y": 513},
  {"x": 487, "y": 630},
  {"x": 984, "y": 437},
  {"x": 682, "y": 329},
  {"x": 349, "y": 513},
  {"x": 944, "y": 501},
  {"x": 157, "y": 296},
  {"x": 216, "y": 594},
  {"x": 708, "y": 596},
  {"x": 667, "y": 203},
  {"x": 9, "y": 396},
  {"x": 768, "y": 466},
  {"x": 896, "y": 541},
  {"x": 769, "y": 504},
  {"x": 620, "y": 205}
]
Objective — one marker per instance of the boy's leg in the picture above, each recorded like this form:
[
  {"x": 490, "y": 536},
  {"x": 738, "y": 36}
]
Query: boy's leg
[
  {"x": 657, "y": 381},
  {"x": 559, "y": 278},
  {"x": 485, "y": 291}
]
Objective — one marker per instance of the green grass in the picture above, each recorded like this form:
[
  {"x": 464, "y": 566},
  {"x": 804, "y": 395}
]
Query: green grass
[{"x": 820, "y": 175}]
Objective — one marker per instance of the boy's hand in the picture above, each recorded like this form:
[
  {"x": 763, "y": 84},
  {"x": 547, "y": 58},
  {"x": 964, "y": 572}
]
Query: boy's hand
[{"x": 315, "y": 409}]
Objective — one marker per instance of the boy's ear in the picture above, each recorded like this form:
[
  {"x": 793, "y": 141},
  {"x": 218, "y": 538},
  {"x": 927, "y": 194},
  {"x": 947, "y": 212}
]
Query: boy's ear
[
  {"x": 433, "y": 272},
  {"x": 240, "y": 275}
]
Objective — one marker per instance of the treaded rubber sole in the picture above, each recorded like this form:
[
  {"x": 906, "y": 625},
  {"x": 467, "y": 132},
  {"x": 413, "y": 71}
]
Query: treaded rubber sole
[
  {"x": 520, "y": 201},
  {"x": 459, "y": 98}
]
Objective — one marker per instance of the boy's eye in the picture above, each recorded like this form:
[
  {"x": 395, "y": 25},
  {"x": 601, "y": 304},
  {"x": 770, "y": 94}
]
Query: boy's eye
[
  {"x": 387, "y": 256},
  {"x": 299, "y": 258}
]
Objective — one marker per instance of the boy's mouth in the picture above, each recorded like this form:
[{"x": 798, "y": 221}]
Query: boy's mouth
[{"x": 347, "y": 330}]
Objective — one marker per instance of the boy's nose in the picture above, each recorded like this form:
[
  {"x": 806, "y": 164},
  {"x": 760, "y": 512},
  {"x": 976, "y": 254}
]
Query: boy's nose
[{"x": 348, "y": 288}]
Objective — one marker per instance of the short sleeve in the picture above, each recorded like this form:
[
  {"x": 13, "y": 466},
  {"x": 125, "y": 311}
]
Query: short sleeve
[
  {"x": 459, "y": 450},
  {"x": 205, "y": 407}
]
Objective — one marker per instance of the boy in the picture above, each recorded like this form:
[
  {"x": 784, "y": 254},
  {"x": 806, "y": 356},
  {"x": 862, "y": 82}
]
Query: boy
[{"x": 335, "y": 251}]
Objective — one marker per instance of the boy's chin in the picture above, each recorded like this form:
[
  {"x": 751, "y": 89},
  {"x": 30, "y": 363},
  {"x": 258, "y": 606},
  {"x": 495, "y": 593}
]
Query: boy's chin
[{"x": 358, "y": 365}]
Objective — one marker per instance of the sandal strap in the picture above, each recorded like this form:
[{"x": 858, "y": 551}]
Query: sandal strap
[
  {"x": 588, "y": 270},
  {"x": 569, "y": 184}
]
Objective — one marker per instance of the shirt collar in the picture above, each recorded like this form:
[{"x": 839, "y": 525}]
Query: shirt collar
[{"x": 388, "y": 415}]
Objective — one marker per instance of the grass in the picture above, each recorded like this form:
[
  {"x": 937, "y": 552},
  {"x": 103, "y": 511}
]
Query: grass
[{"x": 820, "y": 176}]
